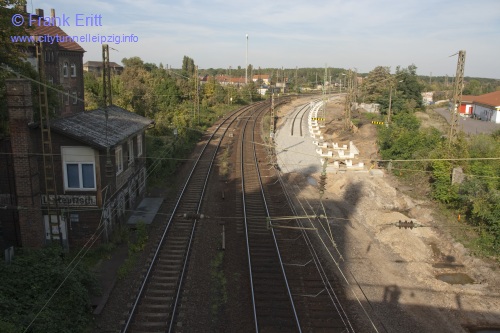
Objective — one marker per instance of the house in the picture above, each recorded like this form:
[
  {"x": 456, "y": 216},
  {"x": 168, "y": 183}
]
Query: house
[
  {"x": 96, "y": 67},
  {"x": 262, "y": 78},
  {"x": 487, "y": 107},
  {"x": 102, "y": 169},
  {"x": 228, "y": 80},
  {"x": 98, "y": 170},
  {"x": 63, "y": 60}
]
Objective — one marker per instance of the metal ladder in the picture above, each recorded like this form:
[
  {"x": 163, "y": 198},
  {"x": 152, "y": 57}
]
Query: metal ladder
[{"x": 52, "y": 207}]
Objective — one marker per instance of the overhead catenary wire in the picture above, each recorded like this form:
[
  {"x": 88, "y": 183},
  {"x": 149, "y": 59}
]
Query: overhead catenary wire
[{"x": 325, "y": 246}]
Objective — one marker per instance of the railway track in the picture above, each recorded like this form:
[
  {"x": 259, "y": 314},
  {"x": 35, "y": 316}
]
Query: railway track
[
  {"x": 156, "y": 303},
  {"x": 291, "y": 290},
  {"x": 301, "y": 112},
  {"x": 272, "y": 303}
]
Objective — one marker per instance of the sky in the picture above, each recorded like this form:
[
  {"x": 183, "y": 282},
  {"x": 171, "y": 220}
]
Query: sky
[{"x": 356, "y": 34}]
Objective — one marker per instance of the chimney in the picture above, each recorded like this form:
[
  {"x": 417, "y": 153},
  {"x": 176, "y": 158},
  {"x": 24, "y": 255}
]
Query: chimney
[
  {"x": 27, "y": 189},
  {"x": 52, "y": 12},
  {"x": 39, "y": 12}
]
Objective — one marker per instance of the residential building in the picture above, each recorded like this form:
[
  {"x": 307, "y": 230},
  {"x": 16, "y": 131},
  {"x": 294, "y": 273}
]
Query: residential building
[
  {"x": 263, "y": 78},
  {"x": 63, "y": 62},
  {"x": 96, "y": 67}
]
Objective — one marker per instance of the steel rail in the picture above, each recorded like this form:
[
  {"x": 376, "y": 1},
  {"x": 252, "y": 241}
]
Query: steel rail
[
  {"x": 268, "y": 215},
  {"x": 146, "y": 278},
  {"x": 249, "y": 257},
  {"x": 324, "y": 277}
]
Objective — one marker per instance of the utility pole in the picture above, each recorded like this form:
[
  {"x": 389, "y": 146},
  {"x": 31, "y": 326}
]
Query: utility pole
[
  {"x": 457, "y": 97},
  {"x": 246, "y": 67},
  {"x": 271, "y": 122},
  {"x": 325, "y": 99},
  {"x": 348, "y": 102},
  {"x": 106, "y": 76},
  {"x": 197, "y": 92},
  {"x": 296, "y": 80}
]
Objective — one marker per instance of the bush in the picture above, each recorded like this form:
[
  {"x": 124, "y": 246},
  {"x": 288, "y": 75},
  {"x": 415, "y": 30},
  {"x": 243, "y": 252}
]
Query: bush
[{"x": 29, "y": 281}]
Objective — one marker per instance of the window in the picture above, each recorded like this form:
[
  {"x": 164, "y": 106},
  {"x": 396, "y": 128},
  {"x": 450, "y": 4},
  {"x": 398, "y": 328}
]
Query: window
[
  {"x": 80, "y": 176},
  {"x": 73, "y": 70},
  {"x": 51, "y": 79},
  {"x": 66, "y": 98},
  {"x": 79, "y": 168},
  {"x": 139, "y": 145},
  {"x": 75, "y": 97},
  {"x": 65, "y": 69},
  {"x": 130, "y": 151},
  {"x": 119, "y": 160}
]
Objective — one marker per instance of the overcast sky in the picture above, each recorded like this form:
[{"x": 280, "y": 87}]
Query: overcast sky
[{"x": 359, "y": 34}]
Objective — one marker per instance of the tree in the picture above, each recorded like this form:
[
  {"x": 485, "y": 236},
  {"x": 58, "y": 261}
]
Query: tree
[
  {"x": 376, "y": 84},
  {"x": 133, "y": 62},
  {"x": 188, "y": 66},
  {"x": 409, "y": 86},
  {"x": 473, "y": 87}
]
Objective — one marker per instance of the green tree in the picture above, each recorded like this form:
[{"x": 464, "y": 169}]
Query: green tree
[
  {"x": 409, "y": 86},
  {"x": 376, "y": 84},
  {"x": 473, "y": 87},
  {"x": 188, "y": 66}
]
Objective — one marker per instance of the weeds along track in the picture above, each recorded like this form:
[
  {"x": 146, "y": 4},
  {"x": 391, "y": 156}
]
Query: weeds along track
[{"x": 155, "y": 304}]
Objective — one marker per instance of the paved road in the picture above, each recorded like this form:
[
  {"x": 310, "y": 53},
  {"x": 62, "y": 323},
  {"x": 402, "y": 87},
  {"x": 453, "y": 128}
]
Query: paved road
[{"x": 470, "y": 126}]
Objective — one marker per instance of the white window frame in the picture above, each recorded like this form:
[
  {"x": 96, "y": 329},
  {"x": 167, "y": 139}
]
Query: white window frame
[
  {"x": 65, "y": 69},
  {"x": 73, "y": 70},
  {"x": 75, "y": 97},
  {"x": 78, "y": 156},
  {"x": 130, "y": 151},
  {"x": 139, "y": 145},
  {"x": 119, "y": 159}
]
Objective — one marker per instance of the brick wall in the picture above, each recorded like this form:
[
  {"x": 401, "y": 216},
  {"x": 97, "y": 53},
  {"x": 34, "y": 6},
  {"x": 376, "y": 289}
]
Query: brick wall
[{"x": 20, "y": 107}]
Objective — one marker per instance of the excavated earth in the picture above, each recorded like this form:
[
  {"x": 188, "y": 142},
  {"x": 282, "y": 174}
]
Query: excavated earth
[{"x": 398, "y": 280}]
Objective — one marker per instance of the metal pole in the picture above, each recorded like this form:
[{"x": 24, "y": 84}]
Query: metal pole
[
  {"x": 390, "y": 102},
  {"x": 246, "y": 67}
]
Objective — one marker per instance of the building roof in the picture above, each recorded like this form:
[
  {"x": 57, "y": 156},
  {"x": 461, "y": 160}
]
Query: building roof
[
  {"x": 261, "y": 76},
  {"x": 65, "y": 42},
  {"x": 491, "y": 99},
  {"x": 99, "y": 64},
  {"x": 90, "y": 126},
  {"x": 228, "y": 79}
]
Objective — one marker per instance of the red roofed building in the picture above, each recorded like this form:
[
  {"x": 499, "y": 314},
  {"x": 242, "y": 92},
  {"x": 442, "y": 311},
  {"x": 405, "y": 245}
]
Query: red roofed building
[
  {"x": 63, "y": 62},
  {"x": 485, "y": 107},
  {"x": 227, "y": 80}
]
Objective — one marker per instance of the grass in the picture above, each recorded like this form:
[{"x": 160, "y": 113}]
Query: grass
[{"x": 218, "y": 283}]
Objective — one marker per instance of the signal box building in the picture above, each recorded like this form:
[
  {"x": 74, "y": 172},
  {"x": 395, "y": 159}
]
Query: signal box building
[{"x": 99, "y": 173}]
